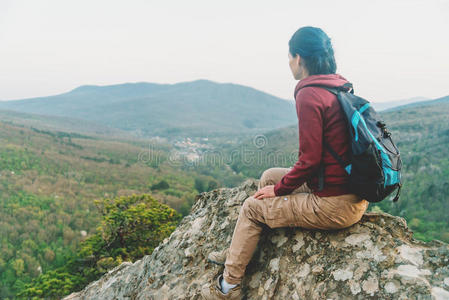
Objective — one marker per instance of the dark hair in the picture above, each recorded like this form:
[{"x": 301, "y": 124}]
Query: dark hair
[{"x": 315, "y": 48}]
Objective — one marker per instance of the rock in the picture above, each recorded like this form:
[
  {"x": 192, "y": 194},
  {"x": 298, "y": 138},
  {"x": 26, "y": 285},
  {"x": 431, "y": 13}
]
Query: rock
[
  {"x": 376, "y": 258},
  {"x": 342, "y": 274}
]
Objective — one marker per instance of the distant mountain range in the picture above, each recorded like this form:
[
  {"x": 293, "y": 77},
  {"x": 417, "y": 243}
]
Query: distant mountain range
[
  {"x": 442, "y": 100},
  {"x": 200, "y": 108},
  {"x": 197, "y": 108},
  {"x": 379, "y": 106}
]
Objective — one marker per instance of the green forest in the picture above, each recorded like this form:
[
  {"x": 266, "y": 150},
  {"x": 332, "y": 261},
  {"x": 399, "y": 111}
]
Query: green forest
[
  {"x": 131, "y": 227},
  {"x": 50, "y": 181},
  {"x": 423, "y": 138},
  {"x": 71, "y": 203}
]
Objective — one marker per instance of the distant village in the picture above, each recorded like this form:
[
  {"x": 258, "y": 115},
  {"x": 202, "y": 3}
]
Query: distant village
[{"x": 190, "y": 149}]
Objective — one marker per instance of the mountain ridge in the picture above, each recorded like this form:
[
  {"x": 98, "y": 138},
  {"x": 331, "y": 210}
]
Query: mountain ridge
[
  {"x": 198, "y": 108},
  {"x": 195, "y": 108},
  {"x": 380, "y": 106},
  {"x": 443, "y": 99}
]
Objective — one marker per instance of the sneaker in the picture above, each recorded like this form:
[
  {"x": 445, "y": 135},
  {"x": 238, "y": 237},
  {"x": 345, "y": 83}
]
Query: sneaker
[
  {"x": 218, "y": 257},
  {"x": 212, "y": 291}
]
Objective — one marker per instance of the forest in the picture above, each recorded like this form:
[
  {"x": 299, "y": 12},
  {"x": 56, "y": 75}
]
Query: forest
[
  {"x": 50, "y": 181},
  {"x": 62, "y": 192}
]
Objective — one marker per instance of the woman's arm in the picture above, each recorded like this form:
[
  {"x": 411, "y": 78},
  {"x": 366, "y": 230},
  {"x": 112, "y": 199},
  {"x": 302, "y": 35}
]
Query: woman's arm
[{"x": 309, "y": 109}]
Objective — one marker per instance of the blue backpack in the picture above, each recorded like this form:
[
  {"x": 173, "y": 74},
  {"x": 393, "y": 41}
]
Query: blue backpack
[{"x": 375, "y": 165}]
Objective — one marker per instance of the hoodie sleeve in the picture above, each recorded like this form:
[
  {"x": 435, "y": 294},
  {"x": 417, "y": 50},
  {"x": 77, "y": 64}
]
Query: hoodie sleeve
[{"x": 310, "y": 123}]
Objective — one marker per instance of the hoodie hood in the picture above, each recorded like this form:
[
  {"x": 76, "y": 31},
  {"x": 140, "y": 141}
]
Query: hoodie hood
[{"x": 330, "y": 80}]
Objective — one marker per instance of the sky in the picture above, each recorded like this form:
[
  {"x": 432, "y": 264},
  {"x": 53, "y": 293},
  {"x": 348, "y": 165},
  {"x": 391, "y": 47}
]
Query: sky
[{"x": 389, "y": 49}]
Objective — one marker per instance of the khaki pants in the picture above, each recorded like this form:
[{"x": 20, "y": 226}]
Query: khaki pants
[{"x": 301, "y": 208}]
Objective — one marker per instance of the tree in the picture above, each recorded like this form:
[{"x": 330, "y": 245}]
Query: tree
[
  {"x": 19, "y": 266},
  {"x": 212, "y": 185},
  {"x": 137, "y": 223},
  {"x": 199, "y": 185},
  {"x": 131, "y": 227},
  {"x": 161, "y": 185}
]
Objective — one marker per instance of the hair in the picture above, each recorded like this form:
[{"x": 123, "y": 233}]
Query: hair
[{"x": 315, "y": 48}]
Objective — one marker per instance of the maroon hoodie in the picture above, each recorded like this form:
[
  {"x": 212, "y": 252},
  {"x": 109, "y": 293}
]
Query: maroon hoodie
[{"x": 319, "y": 114}]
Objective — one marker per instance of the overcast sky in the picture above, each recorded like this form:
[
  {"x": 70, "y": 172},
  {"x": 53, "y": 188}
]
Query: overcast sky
[{"x": 389, "y": 49}]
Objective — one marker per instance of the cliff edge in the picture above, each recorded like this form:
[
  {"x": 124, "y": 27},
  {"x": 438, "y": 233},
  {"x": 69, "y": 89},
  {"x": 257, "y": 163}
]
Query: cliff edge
[{"x": 376, "y": 258}]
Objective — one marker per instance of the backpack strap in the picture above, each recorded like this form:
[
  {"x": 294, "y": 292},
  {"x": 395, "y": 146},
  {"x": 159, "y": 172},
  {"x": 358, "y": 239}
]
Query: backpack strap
[
  {"x": 321, "y": 178},
  {"x": 321, "y": 172},
  {"x": 347, "y": 87},
  {"x": 337, "y": 158},
  {"x": 334, "y": 90},
  {"x": 398, "y": 193},
  {"x": 334, "y": 154}
]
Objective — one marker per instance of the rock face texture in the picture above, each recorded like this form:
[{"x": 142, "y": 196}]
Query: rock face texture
[{"x": 377, "y": 258}]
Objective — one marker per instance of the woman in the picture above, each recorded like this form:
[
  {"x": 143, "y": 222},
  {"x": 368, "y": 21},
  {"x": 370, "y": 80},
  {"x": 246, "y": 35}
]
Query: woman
[{"x": 314, "y": 193}]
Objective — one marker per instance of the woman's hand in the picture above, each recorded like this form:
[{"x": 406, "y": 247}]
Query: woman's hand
[{"x": 265, "y": 192}]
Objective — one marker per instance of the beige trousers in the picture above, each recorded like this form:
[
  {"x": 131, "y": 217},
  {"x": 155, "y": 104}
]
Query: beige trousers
[{"x": 301, "y": 208}]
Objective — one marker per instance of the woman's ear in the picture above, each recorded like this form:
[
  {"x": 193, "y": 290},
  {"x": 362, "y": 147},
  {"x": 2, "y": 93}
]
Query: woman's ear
[{"x": 298, "y": 60}]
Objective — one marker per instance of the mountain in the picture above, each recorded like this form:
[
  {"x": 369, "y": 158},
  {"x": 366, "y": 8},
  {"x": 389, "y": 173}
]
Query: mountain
[
  {"x": 376, "y": 258},
  {"x": 441, "y": 100},
  {"x": 197, "y": 108},
  {"x": 421, "y": 132},
  {"x": 379, "y": 106}
]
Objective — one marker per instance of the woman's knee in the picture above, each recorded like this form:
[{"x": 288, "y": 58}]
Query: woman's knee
[
  {"x": 252, "y": 208},
  {"x": 271, "y": 176},
  {"x": 265, "y": 174},
  {"x": 248, "y": 204}
]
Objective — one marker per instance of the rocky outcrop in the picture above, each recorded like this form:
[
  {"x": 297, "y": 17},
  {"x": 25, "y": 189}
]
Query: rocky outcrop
[{"x": 377, "y": 258}]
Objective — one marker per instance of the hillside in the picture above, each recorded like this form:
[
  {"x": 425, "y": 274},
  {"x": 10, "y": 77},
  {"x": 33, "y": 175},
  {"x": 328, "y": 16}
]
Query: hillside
[
  {"x": 66, "y": 124},
  {"x": 52, "y": 168},
  {"x": 422, "y": 135},
  {"x": 50, "y": 179},
  {"x": 377, "y": 258},
  {"x": 422, "y": 132},
  {"x": 197, "y": 108}
]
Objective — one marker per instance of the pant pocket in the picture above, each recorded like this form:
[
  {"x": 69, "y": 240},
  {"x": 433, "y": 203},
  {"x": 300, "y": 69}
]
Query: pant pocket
[{"x": 276, "y": 214}]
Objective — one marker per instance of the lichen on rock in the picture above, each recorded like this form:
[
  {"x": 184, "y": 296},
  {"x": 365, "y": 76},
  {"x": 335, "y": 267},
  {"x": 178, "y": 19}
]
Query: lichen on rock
[{"x": 376, "y": 258}]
